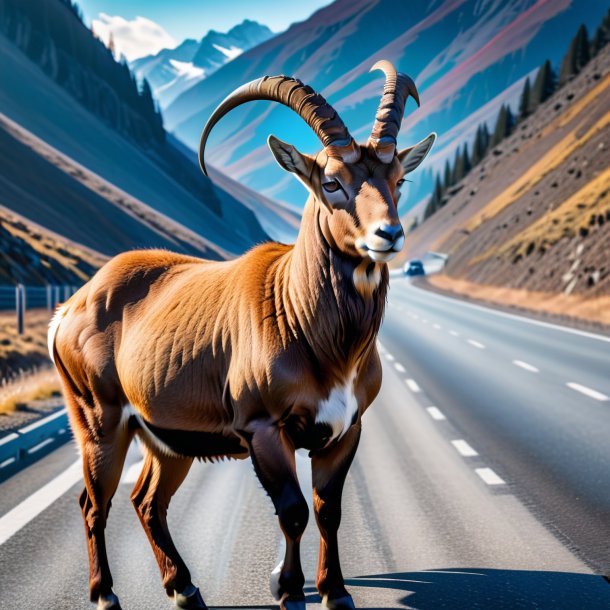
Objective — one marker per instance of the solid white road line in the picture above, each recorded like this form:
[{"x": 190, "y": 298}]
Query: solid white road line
[
  {"x": 583, "y": 389},
  {"x": 489, "y": 476},
  {"x": 413, "y": 385},
  {"x": 435, "y": 413},
  {"x": 454, "y": 333},
  {"x": 399, "y": 367},
  {"x": 476, "y": 344},
  {"x": 463, "y": 448},
  {"x": 513, "y": 316},
  {"x": 524, "y": 365},
  {"x": 390, "y": 357},
  {"x": 32, "y": 506}
]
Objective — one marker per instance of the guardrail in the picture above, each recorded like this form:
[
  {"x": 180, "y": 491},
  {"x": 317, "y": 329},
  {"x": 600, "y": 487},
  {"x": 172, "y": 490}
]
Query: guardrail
[
  {"x": 20, "y": 298},
  {"x": 21, "y": 446}
]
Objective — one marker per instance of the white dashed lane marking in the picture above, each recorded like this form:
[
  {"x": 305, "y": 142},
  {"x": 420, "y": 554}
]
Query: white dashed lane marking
[
  {"x": 399, "y": 367},
  {"x": 591, "y": 393},
  {"x": 436, "y": 326},
  {"x": 524, "y": 365},
  {"x": 435, "y": 413},
  {"x": 489, "y": 476},
  {"x": 390, "y": 357},
  {"x": 454, "y": 333},
  {"x": 463, "y": 448},
  {"x": 476, "y": 344},
  {"x": 413, "y": 385}
]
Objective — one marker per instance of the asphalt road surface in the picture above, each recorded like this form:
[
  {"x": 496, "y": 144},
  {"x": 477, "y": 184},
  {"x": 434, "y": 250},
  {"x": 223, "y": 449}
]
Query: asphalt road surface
[{"x": 481, "y": 482}]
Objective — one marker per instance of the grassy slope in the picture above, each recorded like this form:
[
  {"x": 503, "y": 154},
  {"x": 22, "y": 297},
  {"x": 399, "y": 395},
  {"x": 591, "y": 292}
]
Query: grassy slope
[{"x": 528, "y": 226}]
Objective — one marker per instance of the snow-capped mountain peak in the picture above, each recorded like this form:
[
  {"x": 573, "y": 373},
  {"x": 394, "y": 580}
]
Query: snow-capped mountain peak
[{"x": 172, "y": 71}]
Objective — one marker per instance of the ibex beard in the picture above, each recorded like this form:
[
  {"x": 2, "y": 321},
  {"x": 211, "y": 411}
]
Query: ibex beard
[{"x": 254, "y": 357}]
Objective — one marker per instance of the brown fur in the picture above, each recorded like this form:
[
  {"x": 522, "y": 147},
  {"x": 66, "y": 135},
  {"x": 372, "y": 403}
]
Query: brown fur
[{"x": 244, "y": 352}]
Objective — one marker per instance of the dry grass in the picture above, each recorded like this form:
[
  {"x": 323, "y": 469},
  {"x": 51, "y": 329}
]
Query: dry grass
[
  {"x": 550, "y": 161},
  {"x": 25, "y": 388},
  {"x": 27, "y": 351},
  {"x": 596, "y": 309},
  {"x": 588, "y": 207}
]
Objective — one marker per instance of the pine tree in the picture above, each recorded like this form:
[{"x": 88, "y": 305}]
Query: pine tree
[
  {"x": 577, "y": 56},
  {"x": 476, "y": 146},
  {"x": 525, "y": 100},
  {"x": 602, "y": 35},
  {"x": 544, "y": 85},
  {"x": 500, "y": 128},
  {"x": 583, "y": 52},
  {"x": 448, "y": 177},
  {"x": 466, "y": 164},
  {"x": 458, "y": 168}
]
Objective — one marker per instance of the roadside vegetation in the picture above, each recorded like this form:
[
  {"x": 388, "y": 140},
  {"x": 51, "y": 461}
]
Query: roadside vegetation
[{"x": 24, "y": 388}]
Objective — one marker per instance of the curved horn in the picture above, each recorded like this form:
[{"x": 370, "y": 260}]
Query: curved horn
[
  {"x": 396, "y": 91},
  {"x": 291, "y": 92}
]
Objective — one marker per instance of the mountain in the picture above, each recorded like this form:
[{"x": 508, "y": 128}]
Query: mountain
[
  {"x": 468, "y": 57},
  {"x": 100, "y": 173},
  {"x": 172, "y": 71},
  {"x": 528, "y": 226}
]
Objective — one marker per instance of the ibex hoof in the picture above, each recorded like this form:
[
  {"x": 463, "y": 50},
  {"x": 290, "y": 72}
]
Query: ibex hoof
[
  {"x": 274, "y": 581},
  {"x": 339, "y": 603},
  {"x": 108, "y": 602},
  {"x": 189, "y": 599},
  {"x": 291, "y": 604}
]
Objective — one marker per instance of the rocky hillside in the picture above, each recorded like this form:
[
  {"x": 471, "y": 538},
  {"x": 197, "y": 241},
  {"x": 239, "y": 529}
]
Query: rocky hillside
[
  {"x": 34, "y": 256},
  {"x": 529, "y": 226}
]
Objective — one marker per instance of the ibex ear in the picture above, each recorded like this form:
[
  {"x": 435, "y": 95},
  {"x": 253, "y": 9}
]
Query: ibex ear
[
  {"x": 289, "y": 158},
  {"x": 410, "y": 158}
]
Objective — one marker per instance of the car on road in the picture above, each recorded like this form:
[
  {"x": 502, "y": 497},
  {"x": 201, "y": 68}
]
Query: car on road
[{"x": 413, "y": 268}]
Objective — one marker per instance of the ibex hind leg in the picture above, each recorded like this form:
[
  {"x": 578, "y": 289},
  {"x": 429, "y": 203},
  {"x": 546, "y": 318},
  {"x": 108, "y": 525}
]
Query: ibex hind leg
[
  {"x": 103, "y": 439},
  {"x": 161, "y": 476}
]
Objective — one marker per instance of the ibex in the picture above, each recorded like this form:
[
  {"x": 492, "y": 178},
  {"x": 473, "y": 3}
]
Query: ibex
[{"x": 256, "y": 356}]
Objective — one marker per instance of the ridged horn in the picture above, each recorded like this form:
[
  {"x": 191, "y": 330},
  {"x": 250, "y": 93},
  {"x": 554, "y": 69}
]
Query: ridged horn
[
  {"x": 396, "y": 91},
  {"x": 291, "y": 92}
]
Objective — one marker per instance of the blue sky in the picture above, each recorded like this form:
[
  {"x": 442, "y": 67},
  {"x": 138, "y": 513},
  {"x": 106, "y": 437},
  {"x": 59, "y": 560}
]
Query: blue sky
[{"x": 193, "y": 18}]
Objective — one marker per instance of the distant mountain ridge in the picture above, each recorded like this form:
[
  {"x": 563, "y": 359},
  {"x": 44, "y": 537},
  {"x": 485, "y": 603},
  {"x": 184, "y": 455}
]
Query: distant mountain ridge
[
  {"x": 173, "y": 71},
  {"x": 487, "y": 47},
  {"x": 98, "y": 172}
]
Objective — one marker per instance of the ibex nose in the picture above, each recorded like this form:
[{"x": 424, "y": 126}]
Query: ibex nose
[{"x": 390, "y": 232}]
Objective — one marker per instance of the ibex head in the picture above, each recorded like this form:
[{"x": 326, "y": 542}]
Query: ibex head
[{"x": 355, "y": 187}]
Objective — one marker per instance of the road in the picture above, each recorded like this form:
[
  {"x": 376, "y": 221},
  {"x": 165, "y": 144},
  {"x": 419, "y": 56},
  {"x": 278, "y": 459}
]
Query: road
[{"x": 481, "y": 482}]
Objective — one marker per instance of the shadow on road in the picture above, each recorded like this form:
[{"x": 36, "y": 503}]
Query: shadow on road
[{"x": 485, "y": 589}]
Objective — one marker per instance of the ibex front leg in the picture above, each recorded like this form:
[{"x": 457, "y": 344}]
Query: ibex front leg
[
  {"x": 329, "y": 469},
  {"x": 273, "y": 458}
]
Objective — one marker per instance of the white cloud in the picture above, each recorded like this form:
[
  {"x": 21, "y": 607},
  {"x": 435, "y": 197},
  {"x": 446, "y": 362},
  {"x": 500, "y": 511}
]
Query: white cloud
[{"x": 134, "y": 38}]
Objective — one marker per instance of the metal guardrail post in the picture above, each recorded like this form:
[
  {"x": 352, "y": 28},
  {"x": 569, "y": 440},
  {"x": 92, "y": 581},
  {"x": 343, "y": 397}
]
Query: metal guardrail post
[
  {"x": 20, "y": 306},
  {"x": 49, "y": 297},
  {"x": 66, "y": 293},
  {"x": 55, "y": 296}
]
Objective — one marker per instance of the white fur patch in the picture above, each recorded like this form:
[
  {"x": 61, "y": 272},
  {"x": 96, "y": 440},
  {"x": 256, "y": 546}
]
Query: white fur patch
[
  {"x": 148, "y": 436},
  {"x": 58, "y": 316},
  {"x": 339, "y": 408}
]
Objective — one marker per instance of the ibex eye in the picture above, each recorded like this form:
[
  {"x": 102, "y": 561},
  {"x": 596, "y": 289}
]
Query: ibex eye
[
  {"x": 401, "y": 182},
  {"x": 331, "y": 187}
]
